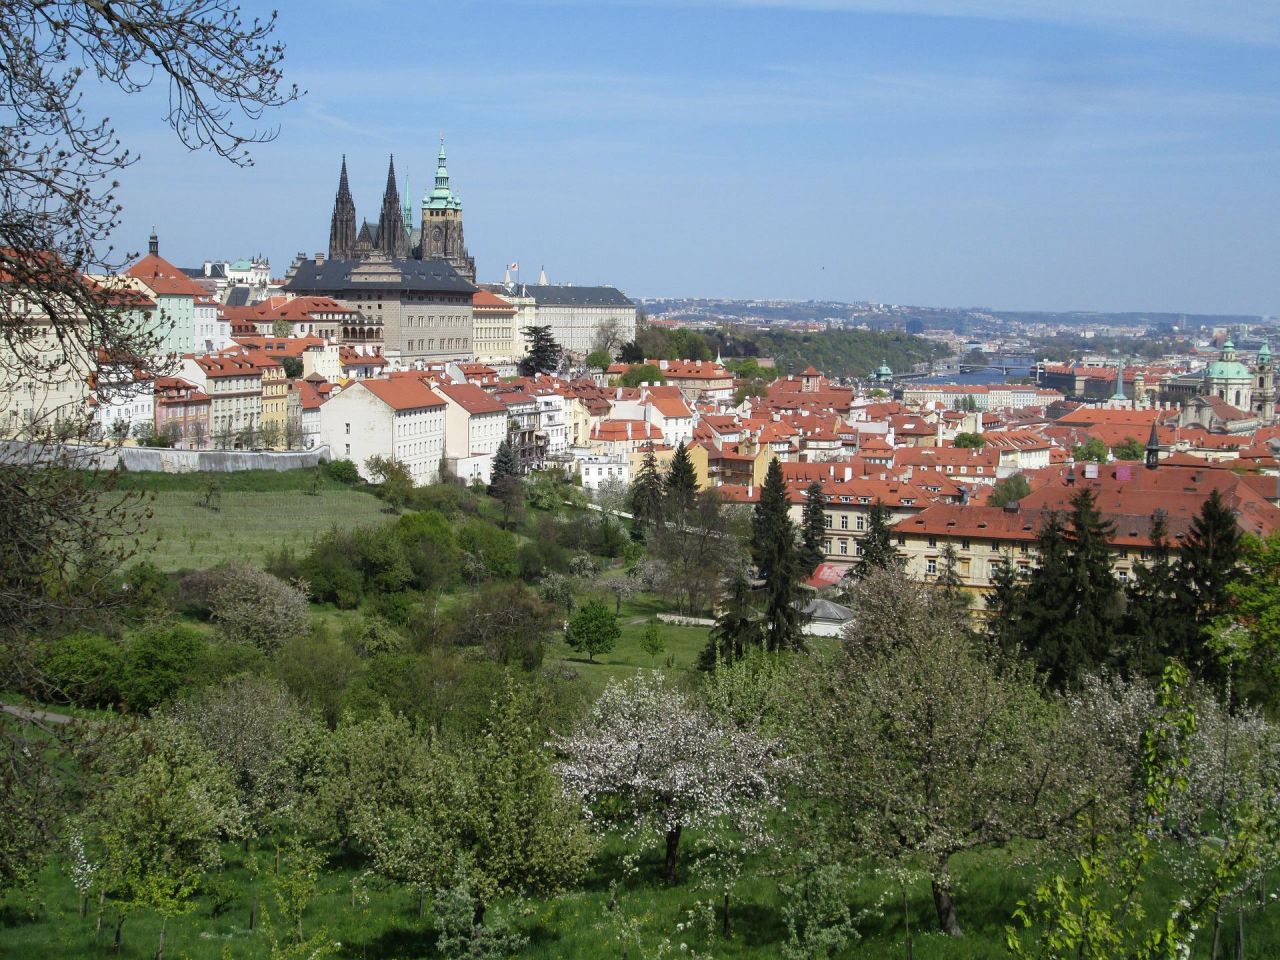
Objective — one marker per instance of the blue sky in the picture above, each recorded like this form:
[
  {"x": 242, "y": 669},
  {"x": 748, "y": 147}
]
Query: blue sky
[{"x": 1034, "y": 154}]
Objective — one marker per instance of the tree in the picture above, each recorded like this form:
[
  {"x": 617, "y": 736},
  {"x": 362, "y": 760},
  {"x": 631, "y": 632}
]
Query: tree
[
  {"x": 927, "y": 742},
  {"x": 253, "y": 607},
  {"x": 1009, "y": 490},
  {"x": 505, "y": 465},
  {"x": 773, "y": 546},
  {"x": 292, "y": 366},
  {"x": 607, "y": 337},
  {"x": 1068, "y": 617},
  {"x": 690, "y": 558},
  {"x": 1093, "y": 449},
  {"x": 681, "y": 483},
  {"x": 544, "y": 353},
  {"x": 648, "y": 760},
  {"x": 1129, "y": 449},
  {"x": 593, "y": 629},
  {"x": 158, "y": 827},
  {"x": 648, "y": 492},
  {"x": 949, "y": 580},
  {"x": 1255, "y": 606},
  {"x": 813, "y": 528},
  {"x": 738, "y": 629},
  {"x": 1154, "y": 614},
  {"x": 878, "y": 551},
  {"x": 258, "y": 733},
  {"x": 970, "y": 441},
  {"x": 643, "y": 373},
  {"x": 599, "y": 359},
  {"x": 509, "y": 623},
  {"x": 394, "y": 477},
  {"x": 652, "y": 641},
  {"x": 1207, "y": 564},
  {"x": 281, "y": 327}
]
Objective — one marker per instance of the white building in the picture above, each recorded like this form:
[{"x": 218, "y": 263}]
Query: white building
[
  {"x": 598, "y": 469},
  {"x": 400, "y": 418},
  {"x": 475, "y": 426},
  {"x": 576, "y": 314}
]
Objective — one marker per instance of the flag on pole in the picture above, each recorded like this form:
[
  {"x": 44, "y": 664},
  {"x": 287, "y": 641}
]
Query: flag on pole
[{"x": 513, "y": 266}]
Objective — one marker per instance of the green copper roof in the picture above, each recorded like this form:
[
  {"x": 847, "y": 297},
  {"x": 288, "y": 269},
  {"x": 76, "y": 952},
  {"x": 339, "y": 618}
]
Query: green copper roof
[
  {"x": 1264, "y": 352},
  {"x": 1227, "y": 370},
  {"x": 441, "y": 197},
  {"x": 884, "y": 371}
]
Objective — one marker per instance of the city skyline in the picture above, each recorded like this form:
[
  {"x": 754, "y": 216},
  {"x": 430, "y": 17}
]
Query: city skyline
[{"x": 1019, "y": 156}]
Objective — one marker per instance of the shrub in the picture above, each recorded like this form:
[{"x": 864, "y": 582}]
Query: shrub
[
  {"x": 431, "y": 549},
  {"x": 158, "y": 665},
  {"x": 493, "y": 549},
  {"x": 372, "y": 637},
  {"x": 251, "y": 606},
  {"x": 508, "y": 623},
  {"x": 343, "y": 471},
  {"x": 146, "y": 589},
  {"x": 85, "y": 669},
  {"x": 317, "y": 669}
]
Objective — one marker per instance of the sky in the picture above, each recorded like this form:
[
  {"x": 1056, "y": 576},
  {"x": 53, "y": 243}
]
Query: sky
[{"x": 1016, "y": 154}]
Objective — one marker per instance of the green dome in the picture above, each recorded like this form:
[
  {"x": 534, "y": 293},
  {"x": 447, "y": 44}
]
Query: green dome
[
  {"x": 884, "y": 371},
  {"x": 1227, "y": 370}
]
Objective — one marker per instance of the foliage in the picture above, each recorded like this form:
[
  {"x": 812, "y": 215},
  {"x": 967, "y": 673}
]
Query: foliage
[
  {"x": 813, "y": 528},
  {"x": 1207, "y": 564},
  {"x": 492, "y": 551},
  {"x": 593, "y": 629},
  {"x": 157, "y": 665},
  {"x": 681, "y": 484},
  {"x": 688, "y": 560},
  {"x": 343, "y": 471},
  {"x": 1255, "y": 606},
  {"x": 462, "y": 937},
  {"x": 544, "y": 352},
  {"x": 649, "y": 760},
  {"x": 773, "y": 547},
  {"x": 317, "y": 669},
  {"x": 970, "y": 441},
  {"x": 599, "y": 359},
  {"x": 505, "y": 467},
  {"x": 1009, "y": 490},
  {"x": 739, "y": 627},
  {"x": 1093, "y": 449},
  {"x": 158, "y": 827},
  {"x": 1129, "y": 449},
  {"x": 509, "y": 623},
  {"x": 652, "y": 641},
  {"x": 928, "y": 742},
  {"x": 395, "y": 481},
  {"x": 253, "y": 607},
  {"x": 642, "y": 373},
  {"x": 878, "y": 550},
  {"x": 83, "y": 668},
  {"x": 836, "y": 352},
  {"x": 1099, "y": 912},
  {"x": 648, "y": 492}
]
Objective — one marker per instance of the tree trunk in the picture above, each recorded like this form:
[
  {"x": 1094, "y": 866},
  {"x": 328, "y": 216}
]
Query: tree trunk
[
  {"x": 726, "y": 930},
  {"x": 1239, "y": 932},
  {"x": 102, "y": 903},
  {"x": 277, "y": 859},
  {"x": 673, "y": 842},
  {"x": 84, "y": 905},
  {"x": 422, "y": 902},
  {"x": 253, "y": 908},
  {"x": 906, "y": 920},
  {"x": 1217, "y": 932},
  {"x": 477, "y": 915},
  {"x": 164, "y": 922},
  {"x": 946, "y": 908},
  {"x": 119, "y": 924}
]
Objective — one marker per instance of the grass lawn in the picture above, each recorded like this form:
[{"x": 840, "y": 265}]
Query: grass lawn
[{"x": 248, "y": 526}]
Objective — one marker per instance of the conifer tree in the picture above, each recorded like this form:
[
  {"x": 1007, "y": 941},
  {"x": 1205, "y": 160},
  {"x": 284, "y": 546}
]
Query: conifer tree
[
  {"x": 773, "y": 547},
  {"x": 544, "y": 352},
  {"x": 878, "y": 551},
  {"x": 737, "y": 629},
  {"x": 1069, "y": 619},
  {"x": 1154, "y": 616},
  {"x": 949, "y": 580},
  {"x": 648, "y": 492},
  {"x": 1004, "y": 603},
  {"x": 813, "y": 527},
  {"x": 681, "y": 483},
  {"x": 505, "y": 465},
  {"x": 1208, "y": 563}
]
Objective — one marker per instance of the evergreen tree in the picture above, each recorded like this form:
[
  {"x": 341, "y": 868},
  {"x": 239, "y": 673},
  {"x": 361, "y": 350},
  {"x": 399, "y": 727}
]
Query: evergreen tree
[
  {"x": 1004, "y": 603},
  {"x": 949, "y": 580},
  {"x": 1154, "y": 617},
  {"x": 878, "y": 551},
  {"x": 1208, "y": 563},
  {"x": 505, "y": 465},
  {"x": 544, "y": 353},
  {"x": 737, "y": 629},
  {"x": 681, "y": 483},
  {"x": 813, "y": 527},
  {"x": 773, "y": 547},
  {"x": 1070, "y": 615},
  {"x": 648, "y": 492}
]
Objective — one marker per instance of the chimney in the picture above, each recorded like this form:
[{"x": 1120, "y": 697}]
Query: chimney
[
  {"x": 628, "y": 429},
  {"x": 319, "y": 257}
]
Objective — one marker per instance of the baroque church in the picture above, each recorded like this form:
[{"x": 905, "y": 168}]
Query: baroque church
[{"x": 438, "y": 234}]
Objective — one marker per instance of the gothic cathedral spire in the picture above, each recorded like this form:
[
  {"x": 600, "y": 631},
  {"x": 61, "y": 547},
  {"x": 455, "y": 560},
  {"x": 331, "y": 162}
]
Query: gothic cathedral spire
[
  {"x": 393, "y": 241},
  {"x": 342, "y": 228}
]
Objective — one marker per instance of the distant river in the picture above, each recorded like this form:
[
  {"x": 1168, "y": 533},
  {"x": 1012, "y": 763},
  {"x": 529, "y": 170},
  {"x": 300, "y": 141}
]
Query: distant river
[{"x": 989, "y": 375}]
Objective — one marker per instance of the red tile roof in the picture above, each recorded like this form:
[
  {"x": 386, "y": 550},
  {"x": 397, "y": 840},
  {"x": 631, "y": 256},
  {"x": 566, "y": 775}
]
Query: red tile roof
[{"x": 404, "y": 393}]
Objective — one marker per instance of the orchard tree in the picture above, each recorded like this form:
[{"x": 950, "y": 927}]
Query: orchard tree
[
  {"x": 158, "y": 827},
  {"x": 649, "y": 761},
  {"x": 927, "y": 742},
  {"x": 253, "y": 607},
  {"x": 593, "y": 629}
]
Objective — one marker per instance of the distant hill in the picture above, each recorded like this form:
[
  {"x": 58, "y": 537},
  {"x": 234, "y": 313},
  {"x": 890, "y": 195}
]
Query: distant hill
[{"x": 837, "y": 353}]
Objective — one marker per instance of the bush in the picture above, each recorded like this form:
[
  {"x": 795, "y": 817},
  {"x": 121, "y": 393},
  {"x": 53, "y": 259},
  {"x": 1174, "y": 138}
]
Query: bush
[
  {"x": 508, "y": 623},
  {"x": 343, "y": 471},
  {"x": 431, "y": 549},
  {"x": 372, "y": 637},
  {"x": 317, "y": 669},
  {"x": 251, "y": 606},
  {"x": 146, "y": 590},
  {"x": 492, "y": 549},
  {"x": 160, "y": 663},
  {"x": 84, "y": 669}
]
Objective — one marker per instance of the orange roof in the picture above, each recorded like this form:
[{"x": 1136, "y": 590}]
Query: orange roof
[
  {"x": 490, "y": 301},
  {"x": 404, "y": 393},
  {"x": 609, "y": 431},
  {"x": 164, "y": 278},
  {"x": 471, "y": 398}
]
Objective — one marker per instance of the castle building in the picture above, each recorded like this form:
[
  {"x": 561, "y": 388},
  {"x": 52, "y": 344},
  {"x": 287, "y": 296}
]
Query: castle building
[{"x": 439, "y": 236}]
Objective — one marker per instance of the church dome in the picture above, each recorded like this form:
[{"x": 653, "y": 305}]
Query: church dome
[{"x": 1227, "y": 370}]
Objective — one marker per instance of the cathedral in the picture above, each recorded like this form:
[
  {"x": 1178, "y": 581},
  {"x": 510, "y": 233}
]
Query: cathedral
[{"x": 438, "y": 236}]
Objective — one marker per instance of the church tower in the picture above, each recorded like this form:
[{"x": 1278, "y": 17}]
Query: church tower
[
  {"x": 342, "y": 228},
  {"x": 393, "y": 241},
  {"x": 1264, "y": 399},
  {"x": 442, "y": 224}
]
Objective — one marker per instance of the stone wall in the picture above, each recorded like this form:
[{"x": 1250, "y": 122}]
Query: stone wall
[{"x": 161, "y": 460}]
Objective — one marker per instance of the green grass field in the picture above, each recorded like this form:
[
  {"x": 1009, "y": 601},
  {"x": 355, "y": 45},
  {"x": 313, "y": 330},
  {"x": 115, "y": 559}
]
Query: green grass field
[{"x": 258, "y": 513}]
